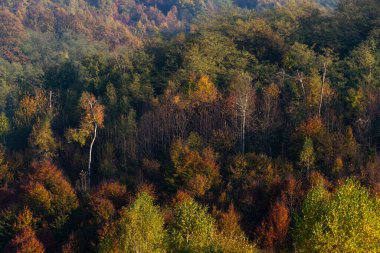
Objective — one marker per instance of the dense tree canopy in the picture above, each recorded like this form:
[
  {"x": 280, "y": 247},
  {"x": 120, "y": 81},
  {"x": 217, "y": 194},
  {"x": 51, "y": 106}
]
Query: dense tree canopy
[{"x": 189, "y": 126}]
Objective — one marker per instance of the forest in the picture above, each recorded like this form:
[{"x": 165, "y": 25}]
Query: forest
[{"x": 218, "y": 126}]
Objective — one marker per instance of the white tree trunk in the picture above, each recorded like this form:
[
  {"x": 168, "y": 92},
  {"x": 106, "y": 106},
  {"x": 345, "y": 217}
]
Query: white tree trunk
[
  {"x": 300, "y": 79},
  {"x": 90, "y": 154},
  {"x": 243, "y": 133},
  {"x": 322, "y": 87}
]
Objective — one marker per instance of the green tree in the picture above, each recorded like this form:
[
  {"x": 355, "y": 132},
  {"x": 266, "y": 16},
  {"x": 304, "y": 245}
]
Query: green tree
[
  {"x": 216, "y": 56},
  {"x": 140, "y": 229},
  {"x": 193, "y": 229},
  {"x": 42, "y": 138},
  {"x": 344, "y": 221},
  {"x": 363, "y": 65},
  {"x": 307, "y": 156}
]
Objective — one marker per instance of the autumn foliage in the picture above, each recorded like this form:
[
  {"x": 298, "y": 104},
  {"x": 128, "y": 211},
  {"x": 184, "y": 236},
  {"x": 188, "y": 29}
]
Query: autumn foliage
[
  {"x": 25, "y": 242},
  {"x": 229, "y": 126},
  {"x": 49, "y": 194},
  {"x": 276, "y": 226}
]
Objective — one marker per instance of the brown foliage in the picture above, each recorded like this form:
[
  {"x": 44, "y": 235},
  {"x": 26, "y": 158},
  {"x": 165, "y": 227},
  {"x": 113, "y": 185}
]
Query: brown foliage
[
  {"x": 194, "y": 171},
  {"x": 274, "y": 229},
  {"x": 12, "y": 34},
  {"x": 94, "y": 110},
  {"x": 198, "y": 185},
  {"x": 371, "y": 175},
  {"x": 39, "y": 18},
  {"x": 312, "y": 127},
  {"x": 42, "y": 139},
  {"x": 24, "y": 219},
  {"x": 107, "y": 199},
  {"x": 48, "y": 191},
  {"x": 5, "y": 175},
  {"x": 27, "y": 110},
  {"x": 147, "y": 188},
  {"x": 25, "y": 242},
  {"x": 229, "y": 222},
  {"x": 113, "y": 191},
  {"x": 71, "y": 245},
  {"x": 315, "y": 178},
  {"x": 181, "y": 196},
  {"x": 102, "y": 209},
  {"x": 292, "y": 192}
]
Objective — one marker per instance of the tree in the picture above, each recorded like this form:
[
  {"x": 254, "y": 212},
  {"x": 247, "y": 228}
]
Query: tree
[
  {"x": 325, "y": 61},
  {"x": 193, "y": 229},
  {"x": 244, "y": 101},
  {"x": 24, "y": 219},
  {"x": 4, "y": 125},
  {"x": 12, "y": 34},
  {"x": 31, "y": 108},
  {"x": 49, "y": 194},
  {"x": 300, "y": 58},
  {"x": 140, "y": 229},
  {"x": 25, "y": 242},
  {"x": 92, "y": 119},
  {"x": 305, "y": 64},
  {"x": 195, "y": 168},
  {"x": 6, "y": 176},
  {"x": 346, "y": 220},
  {"x": 274, "y": 228},
  {"x": 354, "y": 22},
  {"x": 42, "y": 138},
  {"x": 214, "y": 55},
  {"x": 269, "y": 117},
  {"x": 362, "y": 64},
  {"x": 127, "y": 132},
  {"x": 204, "y": 91},
  {"x": 231, "y": 238},
  {"x": 107, "y": 200},
  {"x": 307, "y": 156}
]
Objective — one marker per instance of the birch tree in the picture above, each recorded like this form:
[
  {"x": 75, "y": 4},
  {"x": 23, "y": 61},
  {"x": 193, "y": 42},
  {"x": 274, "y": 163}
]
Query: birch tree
[
  {"x": 326, "y": 61},
  {"x": 92, "y": 118},
  {"x": 244, "y": 102}
]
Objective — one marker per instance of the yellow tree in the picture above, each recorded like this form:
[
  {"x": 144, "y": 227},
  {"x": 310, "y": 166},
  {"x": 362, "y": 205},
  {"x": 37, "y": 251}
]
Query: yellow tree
[
  {"x": 48, "y": 194},
  {"x": 42, "y": 138},
  {"x": 31, "y": 107},
  {"x": 231, "y": 238},
  {"x": 204, "y": 91},
  {"x": 307, "y": 156},
  {"x": 92, "y": 118},
  {"x": 4, "y": 125},
  {"x": 346, "y": 220},
  {"x": 140, "y": 229},
  {"x": 37, "y": 110}
]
